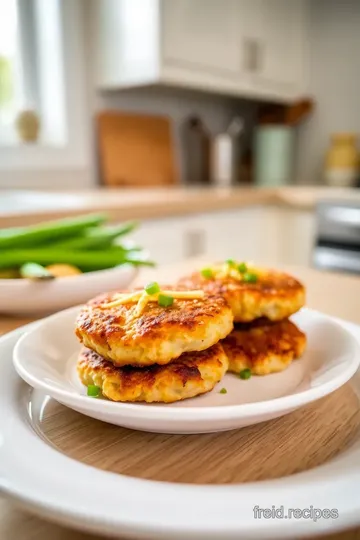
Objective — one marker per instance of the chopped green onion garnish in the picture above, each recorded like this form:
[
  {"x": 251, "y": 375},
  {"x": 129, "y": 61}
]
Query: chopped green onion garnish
[
  {"x": 249, "y": 277},
  {"x": 165, "y": 301},
  {"x": 152, "y": 288},
  {"x": 93, "y": 390},
  {"x": 245, "y": 374},
  {"x": 230, "y": 262},
  {"x": 242, "y": 268},
  {"x": 207, "y": 273},
  {"x": 223, "y": 391}
]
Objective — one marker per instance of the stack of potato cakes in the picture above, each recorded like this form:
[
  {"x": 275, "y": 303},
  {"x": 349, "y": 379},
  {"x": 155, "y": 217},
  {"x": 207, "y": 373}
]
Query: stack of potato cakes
[
  {"x": 165, "y": 344},
  {"x": 154, "y": 345},
  {"x": 264, "y": 340}
]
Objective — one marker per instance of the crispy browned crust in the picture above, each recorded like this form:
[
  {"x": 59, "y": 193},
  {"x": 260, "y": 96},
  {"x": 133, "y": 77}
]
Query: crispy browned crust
[
  {"x": 192, "y": 374},
  {"x": 264, "y": 347},
  {"x": 159, "y": 335},
  {"x": 275, "y": 295}
]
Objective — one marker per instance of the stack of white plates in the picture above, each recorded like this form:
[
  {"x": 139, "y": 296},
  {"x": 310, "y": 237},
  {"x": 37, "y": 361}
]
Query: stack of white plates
[{"x": 35, "y": 474}]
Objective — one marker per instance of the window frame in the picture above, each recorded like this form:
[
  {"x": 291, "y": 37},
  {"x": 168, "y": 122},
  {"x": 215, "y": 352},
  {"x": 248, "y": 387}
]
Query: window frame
[
  {"x": 75, "y": 153},
  {"x": 27, "y": 45}
]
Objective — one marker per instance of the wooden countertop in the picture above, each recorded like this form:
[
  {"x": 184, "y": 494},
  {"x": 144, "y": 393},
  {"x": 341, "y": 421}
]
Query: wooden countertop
[
  {"x": 26, "y": 207},
  {"x": 331, "y": 293}
]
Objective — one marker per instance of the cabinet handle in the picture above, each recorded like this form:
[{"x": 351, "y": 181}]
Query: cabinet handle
[{"x": 253, "y": 53}]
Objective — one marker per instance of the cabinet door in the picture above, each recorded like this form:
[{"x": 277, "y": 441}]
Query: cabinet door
[
  {"x": 202, "y": 34},
  {"x": 282, "y": 42},
  {"x": 162, "y": 238},
  {"x": 244, "y": 234},
  {"x": 171, "y": 240},
  {"x": 296, "y": 231},
  {"x": 250, "y": 35},
  {"x": 270, "y": 236}
]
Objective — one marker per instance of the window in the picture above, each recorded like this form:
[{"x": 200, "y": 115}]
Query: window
[
  {"x": 31, "y": 72},
  {"x": 43, "y": 71},
  {"x": 9, "y": 66}
]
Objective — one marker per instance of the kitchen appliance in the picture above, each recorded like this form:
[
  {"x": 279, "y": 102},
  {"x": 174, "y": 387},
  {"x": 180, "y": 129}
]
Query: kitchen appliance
[{"x": 337, "y": 242}]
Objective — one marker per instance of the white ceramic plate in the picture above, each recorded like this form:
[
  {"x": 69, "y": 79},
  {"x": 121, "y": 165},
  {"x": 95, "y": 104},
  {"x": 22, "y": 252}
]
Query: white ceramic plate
[
  {"x": 46, "y": 356},
  {"x": 27, "y": 297},
  {"x": 48, "y": 483}
]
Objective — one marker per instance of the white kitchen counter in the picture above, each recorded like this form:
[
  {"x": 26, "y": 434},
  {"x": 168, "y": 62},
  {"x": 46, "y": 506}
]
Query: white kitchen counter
[{"x": 25, "y": 207}]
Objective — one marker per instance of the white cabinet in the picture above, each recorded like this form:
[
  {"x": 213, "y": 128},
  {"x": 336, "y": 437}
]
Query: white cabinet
[
  {"x": 296, "y": 235},
  {"x": 201, "y": 35},
  {"x": 163, "y": 238},
  {"x": 282, "y": 43},
  {"x": 252, "y": 48},
  {"x": 171, "y": 240},
  {"x": 265, "y": 235},
  {"x": 242, "y": 234}
]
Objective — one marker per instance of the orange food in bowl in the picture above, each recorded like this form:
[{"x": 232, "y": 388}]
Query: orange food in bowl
[{"x": 63, "y": 270}]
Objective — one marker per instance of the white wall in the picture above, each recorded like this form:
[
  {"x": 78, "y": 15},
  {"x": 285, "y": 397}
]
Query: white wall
[{"x": 334, "y": 37}]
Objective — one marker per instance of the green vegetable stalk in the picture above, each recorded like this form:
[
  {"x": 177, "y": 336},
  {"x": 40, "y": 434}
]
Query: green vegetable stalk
[
  {"x": 85, "y": 260},
  {"x": 97, "y": 238},
  {"x": 25, "y": 237}
]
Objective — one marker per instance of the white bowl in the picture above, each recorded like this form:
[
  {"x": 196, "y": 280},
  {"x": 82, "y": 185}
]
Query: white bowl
[
  {"x": 28, "y": 297},
  {"x": 45, "y": 358}
]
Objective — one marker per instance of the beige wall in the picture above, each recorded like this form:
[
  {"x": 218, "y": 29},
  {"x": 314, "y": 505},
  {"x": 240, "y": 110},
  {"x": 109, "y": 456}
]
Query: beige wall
[{"x": 334, "y": 36}]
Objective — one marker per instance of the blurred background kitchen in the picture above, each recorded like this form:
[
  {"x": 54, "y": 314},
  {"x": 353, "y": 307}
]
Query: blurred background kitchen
[{"x": 180, "y": 113}]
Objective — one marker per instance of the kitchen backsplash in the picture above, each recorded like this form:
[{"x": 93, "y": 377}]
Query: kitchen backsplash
[{"x": 215, "y": 112}]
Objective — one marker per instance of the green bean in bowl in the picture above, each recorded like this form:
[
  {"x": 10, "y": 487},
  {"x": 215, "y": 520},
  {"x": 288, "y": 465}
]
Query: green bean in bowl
[
  {"x": 67, "y": 247},
  {"x": 58, "y": 264}
]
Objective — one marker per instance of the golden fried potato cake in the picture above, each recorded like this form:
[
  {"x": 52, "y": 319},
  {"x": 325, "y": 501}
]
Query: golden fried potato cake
[
  {"x": 158, "y": 335},
  {"x": 192, "y": 374},
  {"x": 264, "y": 347},
  {"x": 252, "y": 294}
]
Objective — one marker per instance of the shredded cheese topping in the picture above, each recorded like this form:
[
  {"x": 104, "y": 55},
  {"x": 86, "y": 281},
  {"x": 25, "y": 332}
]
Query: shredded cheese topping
[
  {"x": 231, "y": 270},
  {"x": 227, "y": 270},
  {"x": 142, "y": 298}
]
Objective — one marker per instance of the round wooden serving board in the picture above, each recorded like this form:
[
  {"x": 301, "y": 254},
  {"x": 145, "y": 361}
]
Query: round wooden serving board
[{"x": 297, "y": 442}]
